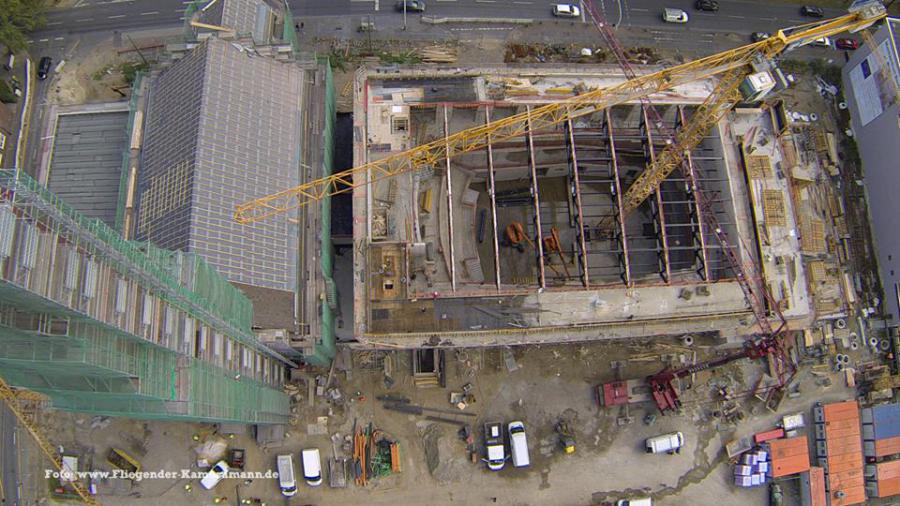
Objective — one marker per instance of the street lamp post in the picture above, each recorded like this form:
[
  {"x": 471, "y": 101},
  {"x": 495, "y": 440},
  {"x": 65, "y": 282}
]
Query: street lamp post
[{"x": 404, "y": 14}]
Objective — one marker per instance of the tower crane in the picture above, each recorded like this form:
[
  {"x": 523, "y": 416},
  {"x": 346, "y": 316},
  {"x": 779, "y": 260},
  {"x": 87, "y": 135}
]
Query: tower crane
[
  {"x": 733, "y": 67},
  {"x": 12, "y": 399},
  {"x": 557, "y": 113}
]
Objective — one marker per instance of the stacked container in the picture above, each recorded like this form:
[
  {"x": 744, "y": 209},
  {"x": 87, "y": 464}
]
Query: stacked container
[{"x": 839, "y": 451}]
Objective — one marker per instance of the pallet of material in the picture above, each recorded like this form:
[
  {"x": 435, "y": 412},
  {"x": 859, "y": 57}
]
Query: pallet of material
[{"x": 812, "y": 236}]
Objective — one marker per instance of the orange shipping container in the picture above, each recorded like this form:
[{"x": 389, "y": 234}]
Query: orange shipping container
[
  {"x": 839, "y": 410},
  {"x": 884, "y": 447},
  {"x": 838, "y": 465},
  {"x": 790, "y": 465},
  {"x": 843, "y": 446},
  {"x": 839, "y": 433},
  {"x": 887, "y": 488},
  {"x": 817, "y": 494},
  {"x": 845, "y": 479},
  {"x": 888, "y": 470},
  {"x": 841, "y": 424},
  {"x": 855, "y": 495}
]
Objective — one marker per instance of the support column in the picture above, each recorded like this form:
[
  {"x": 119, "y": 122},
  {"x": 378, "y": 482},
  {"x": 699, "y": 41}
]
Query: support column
[
  {"x": 492, "y": 192},
  {"x": 664, "y": 269},
  {"x": 573, "y": 168},
  {"x": 539, "y": 239},
  {"x": 449, "y": 202},
  {"x": 703, "y": 271},
  {"x": 623, "y": 239}
]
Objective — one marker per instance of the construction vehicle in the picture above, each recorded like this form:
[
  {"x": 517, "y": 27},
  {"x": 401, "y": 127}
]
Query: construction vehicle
[
  {"x": 566, "y": 436},
  {"x": 120, "y": 459},
  {"x": 735, "y": 68},
  {"x": 16, "y": 401}
]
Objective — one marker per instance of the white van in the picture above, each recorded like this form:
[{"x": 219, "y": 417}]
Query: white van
[
  {"x": 666, "y": 443},
  {"x": 286, "y": 480},
  {"x": 674, "y": 16},
  {"x": 643, "y": 501},
  {"x": 518, "y": 445},
  {"x": 312, "y": 466}
]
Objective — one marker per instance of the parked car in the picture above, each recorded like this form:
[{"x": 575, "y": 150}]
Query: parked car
[
  {"x": 411, "y": 6},
  {"x": 844, "y": 43},
  {"x": 493, "y": 444},
  {"x": 518, "y": 445},
  {"x": 822, "y": 42},
  {"x": 566, "y": 11},
  {"x": 44, "y": 67},
  {"x": 312, "y": 466},
  {"x": 666, "y": 443},
  {"x": 674, "y": 16},
  {"x": 758, "y": 36},
  {"x": 707, "y": 5},
  {"x": 643, "y": 501},
  {"x": 812, "y": 11},
  {"x": 215, "y": 475},
  {"x": 286, "y": 481}
]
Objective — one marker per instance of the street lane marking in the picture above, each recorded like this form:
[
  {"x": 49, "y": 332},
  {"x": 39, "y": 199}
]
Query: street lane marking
[
  {"x": 640, "y": 10},
  {"x": 523, "y": 3},
  {"x": 149, "y": 13},
  {"x": 84, "y": 20},
  {"x": 445, "y": 0},
  {"x": 768, "y": 19},
  {"x": 54, "y": 23},
  {"x": 116, "y": 16},
  {"x": 43, "y": 40},
  {"x": 58, "y": 38},
  {"x": 485, "y": 1},
  {"x": 736, "y": 17}
]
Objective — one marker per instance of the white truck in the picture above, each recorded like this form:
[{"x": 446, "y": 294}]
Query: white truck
[{"x": 493, "y": 444}]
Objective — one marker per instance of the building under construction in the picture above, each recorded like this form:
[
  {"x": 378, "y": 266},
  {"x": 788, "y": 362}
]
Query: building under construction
[{"x": 527, "y": 240}]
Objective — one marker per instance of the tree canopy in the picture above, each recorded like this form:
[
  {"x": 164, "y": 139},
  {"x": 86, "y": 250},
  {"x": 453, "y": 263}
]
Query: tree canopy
[{"x": 17, "y": 18}]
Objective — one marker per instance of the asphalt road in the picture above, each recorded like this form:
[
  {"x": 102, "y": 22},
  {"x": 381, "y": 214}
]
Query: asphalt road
[
  {"x": 9, "y": 462},
  {"x": 734, "y": 16}
]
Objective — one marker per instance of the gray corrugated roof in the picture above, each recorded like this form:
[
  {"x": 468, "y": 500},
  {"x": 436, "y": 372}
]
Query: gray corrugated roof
[
  {"x": 245, "y": 137},
  {"x": 87, "y": 161}
]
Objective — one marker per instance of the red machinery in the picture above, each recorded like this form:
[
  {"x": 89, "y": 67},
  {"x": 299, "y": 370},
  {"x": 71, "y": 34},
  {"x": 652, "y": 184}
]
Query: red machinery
[{"x": 748, "y": 274}]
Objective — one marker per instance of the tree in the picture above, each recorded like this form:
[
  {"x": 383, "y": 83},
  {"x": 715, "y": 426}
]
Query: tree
[{"x": 17, "y": 18}]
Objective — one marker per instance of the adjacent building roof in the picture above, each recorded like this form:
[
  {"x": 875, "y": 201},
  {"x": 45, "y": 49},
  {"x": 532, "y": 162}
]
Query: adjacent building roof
[
  {"x": 257, "y": 18},
  {"x": 874, "y": 112},
  {"x": 843, "y": 453},
  {"x": 86, "y": 167},
  {"x": 223, "y": 127}
]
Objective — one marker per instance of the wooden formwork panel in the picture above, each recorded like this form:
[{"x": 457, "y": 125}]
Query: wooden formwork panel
[
  {"x": 817, "y": 272},
  {"x": 759, "y": 166},
  {"x": 812, "y": 238},
  {"x": 774, "y": 208}
]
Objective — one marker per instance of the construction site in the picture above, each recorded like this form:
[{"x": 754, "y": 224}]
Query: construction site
[
  {"x": 602, "y": 281},
  {"x": 517, "y": 246}
]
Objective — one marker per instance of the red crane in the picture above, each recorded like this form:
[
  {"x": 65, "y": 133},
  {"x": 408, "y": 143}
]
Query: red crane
[{"x": 748, "y": 273}]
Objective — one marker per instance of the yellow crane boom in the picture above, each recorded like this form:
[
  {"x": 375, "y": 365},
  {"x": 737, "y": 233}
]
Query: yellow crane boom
[
  {"x": 11, "y": 399},
  {"x": 556, "y": 113}
]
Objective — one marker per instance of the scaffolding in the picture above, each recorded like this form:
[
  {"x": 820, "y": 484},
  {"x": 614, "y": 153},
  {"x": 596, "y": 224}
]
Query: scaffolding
[{"x": 107, "y": 326}]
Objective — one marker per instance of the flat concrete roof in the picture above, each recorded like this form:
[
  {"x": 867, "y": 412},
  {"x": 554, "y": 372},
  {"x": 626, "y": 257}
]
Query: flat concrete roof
[{"x": 86, "y": 167}]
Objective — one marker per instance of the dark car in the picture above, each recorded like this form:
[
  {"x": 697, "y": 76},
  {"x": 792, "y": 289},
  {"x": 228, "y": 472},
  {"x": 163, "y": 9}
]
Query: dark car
[
  {"x": 44, "y": 67},
  {"x": 707, "y": 5},
  {"x": 758, "y": 36},
  {"x": 411, "y": 6},
  {"x": 850, "y": 44},
  {"x": 812, "y": 11}
]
